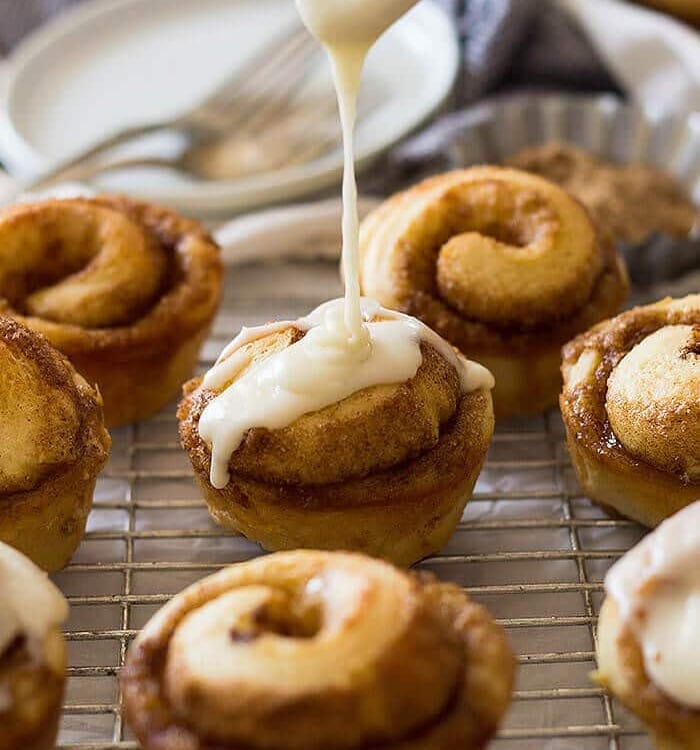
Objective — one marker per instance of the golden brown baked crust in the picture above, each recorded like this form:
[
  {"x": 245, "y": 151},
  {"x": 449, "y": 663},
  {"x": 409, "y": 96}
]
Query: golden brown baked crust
[
  {"x": 631, "y": 406},
  {"x": 127, "y": 290},
  {"x": 633, "y": 201},
  {"x": 504, "y": 265},
  {"x": 387, "y": 471},
  {"x": 621, "y": 670},
  {"x": 32, "y": 688},
  {"x": 52, "y": 445},
  {"x": 318, "y": 651}
]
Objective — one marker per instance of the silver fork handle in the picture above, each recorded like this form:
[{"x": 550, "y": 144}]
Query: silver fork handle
[{"x": 81, "y": 165}]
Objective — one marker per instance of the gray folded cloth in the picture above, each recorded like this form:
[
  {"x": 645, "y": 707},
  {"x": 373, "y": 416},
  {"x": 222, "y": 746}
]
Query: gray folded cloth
[
  {"x": 19, "y": 17},
  {"x": 507, "y": 46},
  {"x": 506, "y": 43}
]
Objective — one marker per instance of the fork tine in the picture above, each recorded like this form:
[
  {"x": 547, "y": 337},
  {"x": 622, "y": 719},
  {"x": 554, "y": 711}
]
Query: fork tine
[
  {"x": 265, "y": 108},
  {"x": 281, "y": 63},
  {"x": 271, "y": 57},
  {"x": 305, "y": 148},
  {"x": 270, "y": 100}
]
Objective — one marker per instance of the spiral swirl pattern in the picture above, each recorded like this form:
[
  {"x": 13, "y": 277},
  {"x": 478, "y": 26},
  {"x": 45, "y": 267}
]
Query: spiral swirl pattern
[
  {"x": 311, "y": 651},
  {"x": 632, "y": 399},
  {"x": 111, "y": 281},
  {"x": 503, "y": 264},
  {"x": 386, "y": 471}
]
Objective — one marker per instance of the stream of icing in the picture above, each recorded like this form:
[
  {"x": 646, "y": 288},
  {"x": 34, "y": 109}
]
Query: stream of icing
[
  {"x": 656, "y": 587},
  {"x": 349, "y": 344},
  {"x": 348, "y": 29},
  {"x": 315, "y": 372}
]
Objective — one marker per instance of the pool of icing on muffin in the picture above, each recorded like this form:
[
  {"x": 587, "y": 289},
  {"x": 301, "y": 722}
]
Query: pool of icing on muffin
[
  {"x": 656, "y": 587},
  {"x": 349, "y": 344},
  {"x": 315, "y": 372}
]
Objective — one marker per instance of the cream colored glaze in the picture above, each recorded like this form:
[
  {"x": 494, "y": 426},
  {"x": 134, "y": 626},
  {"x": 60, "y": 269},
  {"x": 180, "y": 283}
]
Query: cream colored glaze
[
  {"x": 315, "y": 372},
  {"x": 348, "y": 29},
  {"x": 656, "y": 587},
  {"x": 30, "y": 605},
  {"x": 349, "y": 344}
]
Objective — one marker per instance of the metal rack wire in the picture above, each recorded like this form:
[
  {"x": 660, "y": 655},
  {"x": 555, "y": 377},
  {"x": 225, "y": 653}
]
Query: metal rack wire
[{"x": 529, "y": 547}]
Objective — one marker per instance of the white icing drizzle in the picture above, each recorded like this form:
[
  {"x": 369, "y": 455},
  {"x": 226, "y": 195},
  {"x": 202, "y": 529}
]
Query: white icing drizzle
[
  {"x": 347, "y": 29},
  {"x": 656, "y": 587},
  {"x": 349, "y": 344},
  {"x": 315, "y": 372},
  {"x": 30, "y": 605}
]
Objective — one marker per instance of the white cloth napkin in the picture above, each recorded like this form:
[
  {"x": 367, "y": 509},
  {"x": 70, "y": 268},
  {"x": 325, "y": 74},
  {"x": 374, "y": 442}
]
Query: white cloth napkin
[{"x": 655, "y": 57}]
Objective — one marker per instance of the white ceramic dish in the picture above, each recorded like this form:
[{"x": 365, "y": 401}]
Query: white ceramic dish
[{"x": 110, "y": 63}]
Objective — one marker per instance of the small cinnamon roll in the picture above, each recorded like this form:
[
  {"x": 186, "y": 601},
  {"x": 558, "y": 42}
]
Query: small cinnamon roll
[
  {"x": 386, "y": 470},
  {"x": 505, "y": 265},
  {"x": 52, "y": 446},
  {"x": 318, "y": 651},
  {"x": 649, "y": 631},
  {"x": 126, "y": 290},
  {"x": 631, "y": 406},
  {"x": 32, "y": 654}
]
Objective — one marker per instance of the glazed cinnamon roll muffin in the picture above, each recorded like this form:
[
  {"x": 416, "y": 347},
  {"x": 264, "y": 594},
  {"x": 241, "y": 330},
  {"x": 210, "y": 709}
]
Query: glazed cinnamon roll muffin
[
  {"x": 126, "y": 290},
  {"x": 649, "y": 631},
  {"x": 631, "y": 406},
  {"x": 318, "y": 651},
  {"x": 32, "y": 654},
  {"x": 52, "y": 446},
  {"x": 503, "y": 264},
  {"x": 386, "y": 469}
]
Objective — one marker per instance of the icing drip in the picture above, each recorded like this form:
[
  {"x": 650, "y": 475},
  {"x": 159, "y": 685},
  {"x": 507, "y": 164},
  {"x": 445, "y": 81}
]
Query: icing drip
[
  {"x": 30, "y": 605},
  {"x": 657, "y": 590},
  {"x": 349, "y": 344},
  {"x": 315, "y": 372},
  {"x": 347, "y": 29}
]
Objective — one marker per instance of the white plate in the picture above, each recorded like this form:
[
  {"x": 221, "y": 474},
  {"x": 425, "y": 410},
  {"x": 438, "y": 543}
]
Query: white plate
[{"x": 112, "y": 63}]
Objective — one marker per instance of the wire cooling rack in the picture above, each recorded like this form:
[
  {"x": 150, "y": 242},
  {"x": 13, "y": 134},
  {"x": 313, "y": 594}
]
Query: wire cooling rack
[{"x": 529, "y": 547}]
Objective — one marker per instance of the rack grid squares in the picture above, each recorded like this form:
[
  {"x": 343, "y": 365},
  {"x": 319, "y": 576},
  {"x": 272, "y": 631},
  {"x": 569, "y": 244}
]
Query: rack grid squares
[{"x": 529, "y": 547}]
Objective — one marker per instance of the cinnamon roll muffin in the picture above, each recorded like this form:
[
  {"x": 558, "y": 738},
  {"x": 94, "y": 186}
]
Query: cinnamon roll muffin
[
  {"x": 32, "y": 654},
  {"x": 387, "y": 470},
  {"x": 649, "y": 631},
  {"x": 503, "y": 264},
  {"x": 126, "y": 290},
  {"x": 631, "y": 406},
  {"x": 318, "y": 651},
  {"x": 52, "y": 446}
]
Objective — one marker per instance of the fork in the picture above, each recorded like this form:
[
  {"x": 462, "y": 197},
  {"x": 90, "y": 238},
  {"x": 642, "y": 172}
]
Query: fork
[
  {"x": 303, "y": 145},
  {"x": 246, "y": 101}
]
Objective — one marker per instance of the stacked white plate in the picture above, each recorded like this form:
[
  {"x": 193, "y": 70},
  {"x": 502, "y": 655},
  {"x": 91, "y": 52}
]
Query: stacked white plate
[{"x": 111, "y": 63}]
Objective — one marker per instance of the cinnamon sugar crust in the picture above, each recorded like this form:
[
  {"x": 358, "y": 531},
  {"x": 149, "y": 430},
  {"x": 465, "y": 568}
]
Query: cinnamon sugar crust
[
  {"x": 583, "y": 401},
  {"x": 504, "y": 265},
  {"x": 514, "y": 235},
  {"x": 127, "y": 290},
  {"x": 386, "y": 471},
  {"x": 52, "y": 446},
  {"x": 472, "y": 664},
  {"x": 61, "y": 412},
  {"x": 634, "y": 201},
  {"x": 371, "y": 430}
]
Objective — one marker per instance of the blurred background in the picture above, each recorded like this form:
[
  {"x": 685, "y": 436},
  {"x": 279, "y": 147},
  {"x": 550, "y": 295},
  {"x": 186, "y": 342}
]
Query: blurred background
[{"x": 454, "y": 83}]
